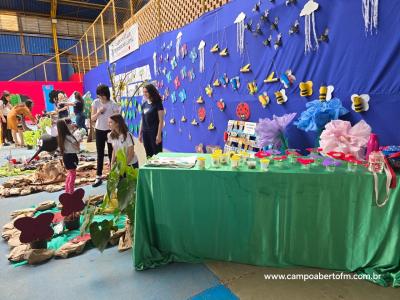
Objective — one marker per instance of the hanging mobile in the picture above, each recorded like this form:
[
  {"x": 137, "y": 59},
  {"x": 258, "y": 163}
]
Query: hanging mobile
[
  {"x": 202, "y": 66},
  {"x": 278, "y": 42},
  {"x": 324, "y": 38},
  {"x": 268, "y": 41},
  {"x": 370, "y": 11},
  {"x": 178, "y": 44},
  {"x": 295, "y": 28},
  {"x": 240, "y": 32},
  {"x": 308, "y": 12}
]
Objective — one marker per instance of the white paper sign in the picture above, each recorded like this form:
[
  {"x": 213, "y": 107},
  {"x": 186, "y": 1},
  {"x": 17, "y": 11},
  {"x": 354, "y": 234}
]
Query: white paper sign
[{"x": 124, "y": 44}]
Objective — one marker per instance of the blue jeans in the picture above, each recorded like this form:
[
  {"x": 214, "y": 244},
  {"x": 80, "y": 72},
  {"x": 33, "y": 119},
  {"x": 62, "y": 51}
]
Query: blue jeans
[{"x": 80, "y": 121}]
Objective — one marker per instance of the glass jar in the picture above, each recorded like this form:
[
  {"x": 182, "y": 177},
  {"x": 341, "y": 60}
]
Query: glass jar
[
  {"x": 265, "y": 164},
  {"x": 235, "y": 161},
  {"x": 215, "y": 161},
  {"x": 201, "y": 163},
  {"x": 251, "y": 164}
]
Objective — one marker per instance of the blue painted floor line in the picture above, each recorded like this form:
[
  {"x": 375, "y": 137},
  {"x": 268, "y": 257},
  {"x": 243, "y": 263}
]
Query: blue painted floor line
[{"x": 219, "y": 292}]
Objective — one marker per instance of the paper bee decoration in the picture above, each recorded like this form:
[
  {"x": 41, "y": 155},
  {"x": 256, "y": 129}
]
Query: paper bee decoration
[
  {"x": 252, "y": 87},
  {"x": 308, "y": 12},
  {"x": 264, "y": 99},
  {"x": 306, "y": 88},
  {"x": 243, "y": 111},
  {"x": 281, "y": 96},
  {"x": 274, "y": 25},
  {"x": 325, "y": 92},
  {"x": 360, "y": 103}
]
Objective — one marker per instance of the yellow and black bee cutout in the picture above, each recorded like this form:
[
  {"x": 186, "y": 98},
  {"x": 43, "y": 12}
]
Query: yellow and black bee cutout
[
  {"x": 306, "y": 89},
  {"x": 267, "y": 42},
  {"x": 271, "y": 78},
  {"x": 360, "y": 103},
  {"x": 264, "y": 99},
  {"x": 274, "y": 25},
  {"x": 281, "y": 97},
  {"x": 326, "y": 92},
  {"x": 246, "y": 68},
  {"x": 256, "y": 7},
  {"x": 215, "y": 49},
  {"x": 295, "y": 28},
  {"x": 265, "y": 16},
  {"x": 249, "y": 26},
  {"x": 324, "y": 38},
  {"x": 290, "y": 2},
  {"x": 278, "y": 42}
]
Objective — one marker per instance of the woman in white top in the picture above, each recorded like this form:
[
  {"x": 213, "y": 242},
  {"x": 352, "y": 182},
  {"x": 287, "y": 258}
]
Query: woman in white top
[
  {"x": 102, "y": 109},
  {"x": 121, "y": 138}
]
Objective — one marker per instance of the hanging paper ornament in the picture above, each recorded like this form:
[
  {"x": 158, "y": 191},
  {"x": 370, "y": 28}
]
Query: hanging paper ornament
[
  {"x": 324, "y": 38},
  {"x": 287, "y": 79},
  {"x": 166, "y": 58},
  {"x": 256, "y": 7},
  {"x": 224, "y": 52},
  {"x": 306, "y": 89},
  {"x": 295, "y": 28},
  {"x": 264, "y": 99},
  {"x": 258, "y": 30},
  {"x": 370, "y": 11},
  {"x": 201, "y": 114},
  {"x": 215, "y": 49},
  {"x": 240, "y": 32},
  {"x": 194, "y": 122},
  {"x": 211, "y": 126},
  {"x": 183, "y": 73},
  {"x": 360, "y": 103},
  {"x": 182, "y": 95},
  {"x": 271, "y": 78},
  {"x": 268, "y": 41},
  {"x": 249, "y": 26},
  {"x": 221, "y": 105},
  {"x": 173, "y": 97},
  {"x": 224, "y": 80},
  {"x": 265, "y": 16},
  {"x": 169, "y": 46},
  {"x": 281, "y": 96},
  {"x": 191, "y": 75},
  {"x": 164, "y": 70},
  {"x": 252, "y": 87},
  {"x": 160, "y": 84},
  {"x": 200, "y": 100},
  {"x": 243, "y": 111},
  {"x": 209, "y": 91},
  {"x": 166, "y": 92},
  {"x": 202, "y": 66},
  {"x": 274, "y": 25},
  {"x": 177, "y": 82},
  {"x": 246, "y": 68},
  {"x": 217, "y": 83},
  {"x": 161, "y": 58},
  {"x": 278, "y": 42},
  {"x": 172, "y": 121},
  {"x": 163, "y": 46},
  {"x": 178, "y": 44},
  {"x": 183, "y": 119},
  {"x": 184, "y": 50},
  {"x": 155, "y": 63},
  {"x": 235, "y": 83},
  {"x": 193, "y": 55},
  {"x": 174, "y": 63},
  {"x": 325, "y": 92},
  {"x": 309, "y": 13},
  {"x": 169, "y": 76}
]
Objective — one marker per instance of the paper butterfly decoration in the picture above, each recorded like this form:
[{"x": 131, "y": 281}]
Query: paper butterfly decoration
[
  {"x": 306, "y": 88},
  {"x": 169, "y": 76},
  {"x": 235, "y": 83},
  {"x": 325, "y": 92},
  {"x": 191, "y": 75},
  {"x": 209, "y": 91},
  {"x": 193, "y": 55},
  {"x": 177, "y": 82},
  {"x": 173, "y": 97},
  {"x": 281, "y": 96},
  {"x": 183, "y": 73},
  {"x": 264, "y": 99},
  {"x": 360, "y": 103},
  {"x": 72, "y": 203},
  {"x": 174, "y": 63},
  {"x": 35, "y": 229},
  {"x": 169, "y": 46},
  {"x": 224, "y": 80},
  {"x": 182, "y": 95},
  {"x": 221, "y": 105},
  {"x": 287, "y": 79},
  {"x": 243, "y": 111},
  {"x": 184, "y": 50}
]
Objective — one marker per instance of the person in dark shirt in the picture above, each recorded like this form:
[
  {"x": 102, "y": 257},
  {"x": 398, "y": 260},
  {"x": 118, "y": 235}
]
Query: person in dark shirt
[
  {"x": 58, "y": 98},
  {"x": 151, "y": 126},
  {"x": 79, "y": 108}
]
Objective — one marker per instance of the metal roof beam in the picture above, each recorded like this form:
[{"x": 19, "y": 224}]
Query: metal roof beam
[{"x": 75, "y": 3}]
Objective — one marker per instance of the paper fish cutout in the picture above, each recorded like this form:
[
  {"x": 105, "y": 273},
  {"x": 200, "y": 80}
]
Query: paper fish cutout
[
  {"x": 295, "y": 28},
  {"x": 194, "y": 122},
  {"x": 360, "y": 102},
  {"x": 209, "y": 91},
  {"x": 200, "y": 100},
  {"x": 191, "y": 75},
  {"x": 211, "y": 126},
  {"x": 278, "y": 42},
  {"x": 271, "y": 78},
  {"x": 246, "y": 68},
  {"x": 235, "y": 83},
  {"x": 72, "y": 203},
  {"x": 221, "y": 105},
  {"x": 35, "y": 229},
  {"x": 177, "y": 82},
  {"x": 182, "y": 95},
  {"x": 268, "y": 41},
  {"x": 172, "y": 121},
  {"x": 224, "y": 52},
  {"x": 281, "y": 96},
  {"x": 169, "y": 76},
  {"x": 252, "y": 88},
  {"x": 173, "y": 97},
  {"x": 224, "y": 80},
  {"x": 274, "y": 25},
  {"x": 243, "y": 111},
  {"x": 183, "y": 119},
  {"x": 325, "y": 92},
  {"x": 306, "y": 89},
  {"x": 325, "y": 36},
  {"x": 174, "y": 63},
  {"x": 264, "y": 99},
  {"x": 215, "y": 48},
  {"x": 217, "y": 83},
  {"x": 287, "y": 79},
  {"x": 193, "y": 55},
  {"x": 184, "y": 50},
  {"x": 183, "y": 73}
]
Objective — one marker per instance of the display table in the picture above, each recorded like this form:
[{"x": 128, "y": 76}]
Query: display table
[{"x": 283, "y": 217}]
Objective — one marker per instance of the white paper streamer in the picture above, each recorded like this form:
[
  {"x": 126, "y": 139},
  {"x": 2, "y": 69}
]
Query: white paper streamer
[
  {"x": 308, "y": 12},
  {"x": 240, "y": 28},
  {"x": 370, "y": 10},
  {"x": 155, "y": 63},
  {"x": 202, "y": 65},
  {"x": 178, "y": 44}
]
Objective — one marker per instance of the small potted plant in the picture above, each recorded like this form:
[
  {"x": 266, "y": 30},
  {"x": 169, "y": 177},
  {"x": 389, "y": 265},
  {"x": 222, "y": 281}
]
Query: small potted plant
[
  {"x": 72, "y": 205},
  {"x": 35, "y": 231}
]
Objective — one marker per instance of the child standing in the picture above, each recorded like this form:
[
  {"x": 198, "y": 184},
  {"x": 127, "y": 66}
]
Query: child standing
[{"x": 69, "y": 148}]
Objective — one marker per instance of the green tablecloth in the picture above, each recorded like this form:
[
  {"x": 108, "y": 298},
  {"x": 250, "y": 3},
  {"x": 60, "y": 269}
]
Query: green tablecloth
[{"x": 284, "y": 217}]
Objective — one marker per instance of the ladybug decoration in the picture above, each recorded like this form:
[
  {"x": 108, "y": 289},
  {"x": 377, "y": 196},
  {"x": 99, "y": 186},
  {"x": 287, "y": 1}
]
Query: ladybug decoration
[
  {"x": 201, "y": 113},
  {"x": 243, "y": 111}
]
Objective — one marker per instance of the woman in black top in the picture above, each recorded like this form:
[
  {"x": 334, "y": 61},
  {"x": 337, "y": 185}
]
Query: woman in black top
[
  {"x": 58, "y": 98},
  {"x": 79, "y": 108},
  {"x": 150, "y": 133}
]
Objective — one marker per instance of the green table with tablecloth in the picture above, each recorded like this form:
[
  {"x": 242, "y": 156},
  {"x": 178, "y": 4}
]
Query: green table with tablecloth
[{"x": 280, "y": 218}]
